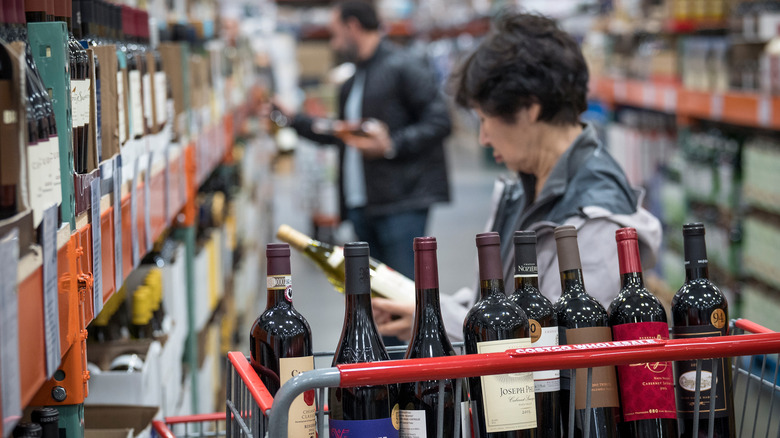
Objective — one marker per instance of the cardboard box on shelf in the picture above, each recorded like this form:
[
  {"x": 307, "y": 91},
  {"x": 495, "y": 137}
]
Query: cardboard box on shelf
[
  {"x": 109, "y": 118},
  {"x": 118, "y": 421},
  {"x": 140, "y": 388}
]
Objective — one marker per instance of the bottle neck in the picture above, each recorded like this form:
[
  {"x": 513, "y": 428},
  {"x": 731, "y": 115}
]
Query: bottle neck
[
  {"x": 571, "y": 282},
  {"x": 696, "y": 263},
  {"x": 277, "y": 297},
  {"x": 358, "y": 305},
  {"x": 526, "y": 282},
  {"x": 491, "y": 287},
  {"x": 632, "y": 279}
]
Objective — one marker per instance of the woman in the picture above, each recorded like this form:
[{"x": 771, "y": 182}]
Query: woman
[{"x": 527, "y": 82}]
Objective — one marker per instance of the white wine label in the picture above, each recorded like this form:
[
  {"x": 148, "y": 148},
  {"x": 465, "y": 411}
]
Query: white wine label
[
  {"x": 548, "y": 380},
  {"x": 136, "y": 100},
  {"x": 303, "y": 411},
  {"x": 120, "y": 106},
  {"x": 392, "y": 284},
  {"x": 80, "y": 102},
  {"x": 413, "y": 424},
  {"x": 43, "y": 170},
  {"x": 337, "y": 257},
  {"x": 465, "y": 419},
  {"x": 148, "y": 102},
  {"x": 508, "y": 399},
  {"x": 161, "y": 97}
]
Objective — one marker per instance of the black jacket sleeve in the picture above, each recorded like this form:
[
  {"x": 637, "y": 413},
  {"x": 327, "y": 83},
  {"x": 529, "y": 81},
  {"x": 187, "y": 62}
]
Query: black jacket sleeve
[
  {"x": 303, "y": 126},
  {"x": 423, "y": 99}
]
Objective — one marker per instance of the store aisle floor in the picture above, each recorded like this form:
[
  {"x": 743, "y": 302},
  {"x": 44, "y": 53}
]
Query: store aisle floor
[{"x": 454, "y": 225}]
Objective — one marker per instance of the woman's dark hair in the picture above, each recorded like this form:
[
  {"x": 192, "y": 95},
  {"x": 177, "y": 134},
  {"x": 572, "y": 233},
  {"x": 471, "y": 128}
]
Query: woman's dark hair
[
  {"x": 525, "y": 59},
  {"x": 362, "y": 11}
]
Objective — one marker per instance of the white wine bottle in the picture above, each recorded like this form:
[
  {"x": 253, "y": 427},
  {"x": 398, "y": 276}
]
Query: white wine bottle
[{"x": 385, "y": 281}]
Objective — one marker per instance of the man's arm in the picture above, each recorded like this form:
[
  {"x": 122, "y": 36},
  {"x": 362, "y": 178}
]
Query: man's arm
[
  {"x": 423, "y": 98},
  {"x": 303, "y": 126}
]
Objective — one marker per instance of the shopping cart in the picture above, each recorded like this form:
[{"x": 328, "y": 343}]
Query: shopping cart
[{"x": 253, "y": 413}]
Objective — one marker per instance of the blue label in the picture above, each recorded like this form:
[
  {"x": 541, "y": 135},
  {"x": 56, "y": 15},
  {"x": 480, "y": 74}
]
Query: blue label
[{"x": 363, "y": 429}]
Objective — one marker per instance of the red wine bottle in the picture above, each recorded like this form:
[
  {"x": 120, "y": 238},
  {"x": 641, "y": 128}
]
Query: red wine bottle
[
  {"x": 543, "y": 326},
  {"x": 700, "y": 309},
  {"x": 7, "y": 191},
  {"x": 582, "y": 319},
  {"x": 502, "y": 406},
  {"x": 421, "y": 402},
  {"x": 365, "y": 410},
  {"x": 636, "y": 313},
  {"x": 280, "y": 341}
]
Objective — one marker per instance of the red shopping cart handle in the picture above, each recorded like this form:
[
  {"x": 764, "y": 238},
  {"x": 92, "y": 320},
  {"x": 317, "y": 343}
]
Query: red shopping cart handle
[
  {"x": 751, "y": 327},
  {"x": 259, "y": 392},
  {"x": 562, "y": 357}
]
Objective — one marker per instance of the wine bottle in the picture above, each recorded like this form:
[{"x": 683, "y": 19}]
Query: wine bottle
[
  {"x": 543, "y": 326},
  {"x": 8, "y": 205},
  {"x": 134, "y": 75},
  {"x": 503, "y": 406},
  {"x": 27, "y": 430},
  {"x": 700, "y": 309},
  {"x": 582, "y": 319},
  {"x": 142, "y": 29},
  {"x": 141, "y": 322},
  {"x": 365, "y": 410},
  {"x": 421, "y": 401},
  {"x": 49, "y": 420},
  {"x": 117, "y": 21},
  {"x": 280, "y": 341},
  {"x": 636, "y": 313},
  {"x": 330, "y": 258}
]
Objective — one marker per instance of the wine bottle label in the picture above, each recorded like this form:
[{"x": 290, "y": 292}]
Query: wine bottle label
[
  {"x": 136, "y": 98},
  {"x": 526, "y": 270},
  {"x": 685, "y": 371},
  {"x": 336, "y": 258},
  {"x": 303, "y": 410},
  {"x": 391, "y": 284},
  {"x": 148, "y": 102},
  {"x": 604, "y": 391},
  {"x": 382, "y": 428},
  {"x": 120, "y": 107},
  {"x": 548, "y": 380},
  {"x": 80, "y": 102},
  {"x": 508, "y": 399},
  {"x": 281, "y": 282},
  {"x": 413, "y": 424},
  {"x": 654, "y": 380},
  {"x": 161, "y": 96},
  {"x": 43, "y": 167}
]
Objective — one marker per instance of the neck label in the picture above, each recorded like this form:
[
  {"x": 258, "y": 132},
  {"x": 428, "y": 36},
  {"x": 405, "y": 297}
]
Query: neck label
[
  {"x": 526, "y": 270},
  {"x": 281, "y": 282}
]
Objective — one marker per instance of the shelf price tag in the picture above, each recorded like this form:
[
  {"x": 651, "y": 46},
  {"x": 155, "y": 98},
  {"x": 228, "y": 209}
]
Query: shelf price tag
[
  {"x": 118, "y": 262},
  {"x": 97, "y": 251},
  {"x": 147, "y": 202},
  {"x": 765, "y": 111},
  {"x": 134, "y": 214},
  {"x": 716, "y": 106},
  {"x": 51, "y": 307},
  {"x": 10, "y": 386}
]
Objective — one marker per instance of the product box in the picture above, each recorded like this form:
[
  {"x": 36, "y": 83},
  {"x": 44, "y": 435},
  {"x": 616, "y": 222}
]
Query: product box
[
  {"x": 139, "y": 388},
  {"x": 118, "y": 421},
  {"x": 176, "y": 66},
  {"x": 109, "y": 123}
]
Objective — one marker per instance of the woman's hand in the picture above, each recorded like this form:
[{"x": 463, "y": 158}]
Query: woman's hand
[{"x": 393, "y": 318}]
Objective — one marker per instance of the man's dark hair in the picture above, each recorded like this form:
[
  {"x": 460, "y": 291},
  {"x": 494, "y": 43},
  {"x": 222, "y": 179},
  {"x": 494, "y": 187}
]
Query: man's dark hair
[
  {"x": 525, "y": 59},
  {"x": 362, "y": 11}
]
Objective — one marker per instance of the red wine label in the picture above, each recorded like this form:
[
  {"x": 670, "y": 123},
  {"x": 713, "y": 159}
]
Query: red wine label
[
  {"x": 413, "y": 424},
  {"x": 280, "y": 282},
  {"x": 303, "y": 410},
  {"x": 508, "y": 399},
  {"x": 604, "y": 390},
  {"x": 548, "y": 380},
  {"x": 685, "y": 371},
  {"x": 136, "y": 100},
  {"x": 80, "y": 102},
  {"x": 653, "y": 380},
  {"x": 382, "y": 428}
]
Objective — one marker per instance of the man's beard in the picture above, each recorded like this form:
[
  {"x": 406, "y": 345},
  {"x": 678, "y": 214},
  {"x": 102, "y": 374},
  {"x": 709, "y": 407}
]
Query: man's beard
[{"x": 349, "y": 53}]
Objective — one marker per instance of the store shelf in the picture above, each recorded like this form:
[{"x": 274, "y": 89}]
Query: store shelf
[
  {"x": 192, "y": 165},
  {"x": 737, "y": 108}
]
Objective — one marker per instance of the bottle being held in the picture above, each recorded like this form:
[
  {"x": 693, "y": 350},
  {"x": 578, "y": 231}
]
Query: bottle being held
[
  {"x": 581, "y": 320},
  {"x": 543, "y": 325},
  {"x": 699, "y": 309},
  {"x": 365, "y": 410},
  {"x": 330, "y": 258},
  {"x": 496, "y": 324},
  {"x": 634, "y": 314},
  {"x": 280, "y": 341},
  {"x": 421, "y": 402}
]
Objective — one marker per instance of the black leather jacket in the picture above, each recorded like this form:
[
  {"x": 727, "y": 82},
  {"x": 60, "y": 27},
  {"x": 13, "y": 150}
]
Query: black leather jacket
[{"x": 402, "y": 92}]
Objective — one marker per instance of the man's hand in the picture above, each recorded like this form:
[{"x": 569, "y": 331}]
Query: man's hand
[
  {"x": 393, "y": 318},
  {"x": 375, "y": 141}
]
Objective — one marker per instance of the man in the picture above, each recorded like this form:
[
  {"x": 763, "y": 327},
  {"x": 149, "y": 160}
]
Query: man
[
  {"x": 392, "y": 174},
  {"x": 527, "y": 82}
]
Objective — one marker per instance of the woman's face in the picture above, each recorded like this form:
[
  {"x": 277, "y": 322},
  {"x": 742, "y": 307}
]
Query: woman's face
[{"x": 513, "y": 143}]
